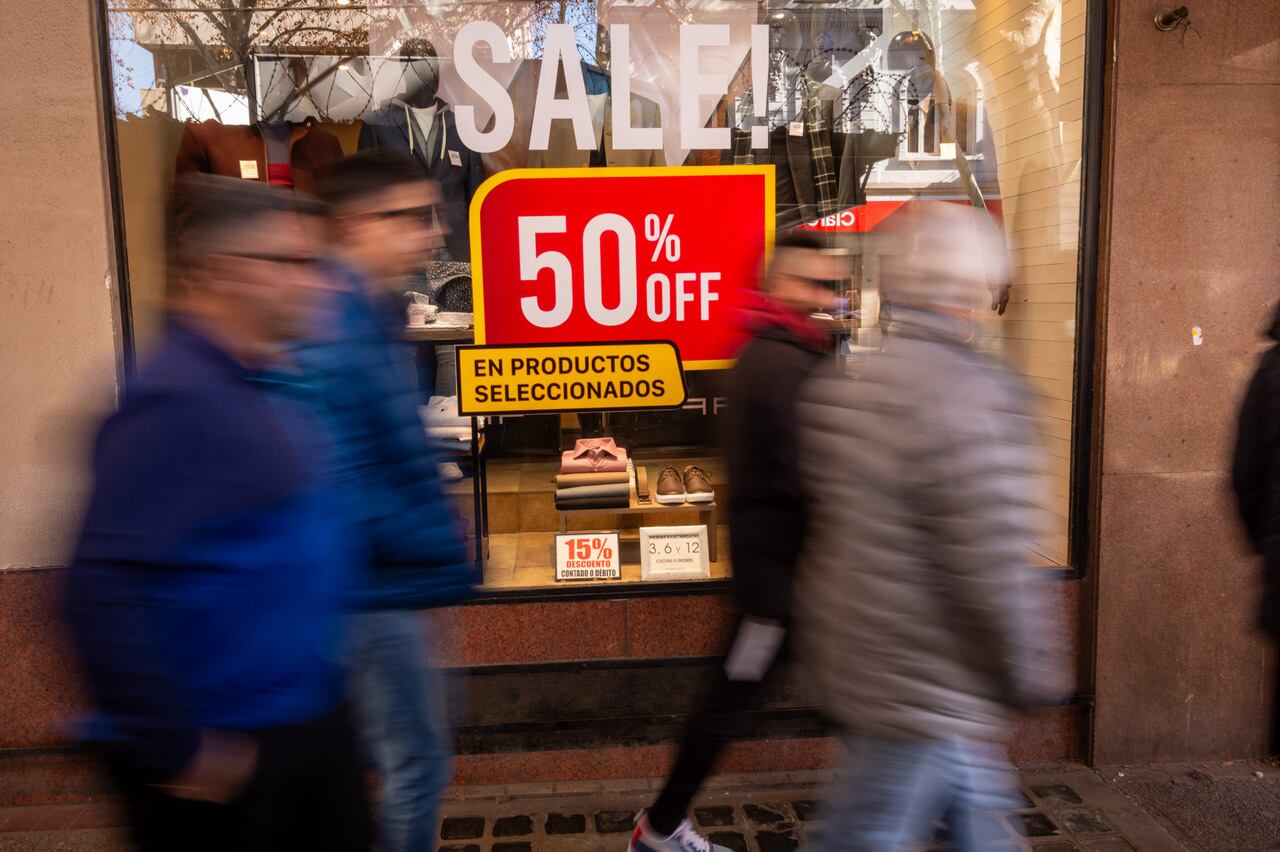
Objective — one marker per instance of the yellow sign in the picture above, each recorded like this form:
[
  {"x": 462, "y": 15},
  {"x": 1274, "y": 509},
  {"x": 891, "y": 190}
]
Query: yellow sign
[{"x": 518, "y": 379}]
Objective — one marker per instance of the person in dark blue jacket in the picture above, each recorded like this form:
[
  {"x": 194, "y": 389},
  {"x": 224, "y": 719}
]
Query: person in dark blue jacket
[
  {"x": 207, "y": 588},
  {"x": 383, "y": 215},
  {"x": 1255, "y": 478}
]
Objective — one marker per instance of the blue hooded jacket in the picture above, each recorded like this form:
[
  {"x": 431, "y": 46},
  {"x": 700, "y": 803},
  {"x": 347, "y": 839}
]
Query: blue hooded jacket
[
  {"x": 208, "y": 583},
  {"x": 364, "y": 378}
]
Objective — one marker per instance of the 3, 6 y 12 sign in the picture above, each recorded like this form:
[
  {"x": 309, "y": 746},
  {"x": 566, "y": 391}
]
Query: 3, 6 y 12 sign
[{"x": 674, "y": 553}]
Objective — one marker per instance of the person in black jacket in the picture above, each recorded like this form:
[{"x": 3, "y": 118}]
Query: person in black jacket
[
  {"x": 767, "y": 519},
  {"x": 1255, "y": 477}
]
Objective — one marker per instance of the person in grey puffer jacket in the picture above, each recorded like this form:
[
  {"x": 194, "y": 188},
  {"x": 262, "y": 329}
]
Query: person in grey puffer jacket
[{"x": 918, "y": 619}]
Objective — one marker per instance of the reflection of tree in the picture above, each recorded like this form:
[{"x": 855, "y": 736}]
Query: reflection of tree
[
  {"x": 226, "y": 37},
  {"x": 221, "y": 37}
]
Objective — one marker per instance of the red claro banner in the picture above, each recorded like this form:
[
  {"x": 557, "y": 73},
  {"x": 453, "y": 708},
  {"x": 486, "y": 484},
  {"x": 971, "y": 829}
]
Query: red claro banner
[{"x": 571, "y": 256}]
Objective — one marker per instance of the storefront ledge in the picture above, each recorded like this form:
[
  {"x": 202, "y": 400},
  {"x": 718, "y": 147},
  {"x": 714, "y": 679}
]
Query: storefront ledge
[
  {"x": 46, "y": 776},
  {"x": 1050, "y": 735},
  {"x": 599, "y": 591},
  {"x": 611, "y": 591},
  {"x": 605, "y": 763},
  {"x": 67, "y": 775}
]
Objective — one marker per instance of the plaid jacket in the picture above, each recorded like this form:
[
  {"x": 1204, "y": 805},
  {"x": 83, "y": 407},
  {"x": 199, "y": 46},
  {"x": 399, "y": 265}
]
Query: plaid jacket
[
  {"x": 819, "y": 136},
  {"x": 807, "y": 176}
]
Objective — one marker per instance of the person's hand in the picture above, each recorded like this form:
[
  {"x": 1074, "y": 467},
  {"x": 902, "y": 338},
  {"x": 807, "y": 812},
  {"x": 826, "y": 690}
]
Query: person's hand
[
  {"x": 220, "y": 769},
  {"x": 1000, "y": 299}
]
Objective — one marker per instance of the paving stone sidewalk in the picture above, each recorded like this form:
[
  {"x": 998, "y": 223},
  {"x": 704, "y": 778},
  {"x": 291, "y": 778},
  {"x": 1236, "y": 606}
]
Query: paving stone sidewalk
[
  {"x": 1066, "y": 809},
  {"x": 1231, "y": 807}
]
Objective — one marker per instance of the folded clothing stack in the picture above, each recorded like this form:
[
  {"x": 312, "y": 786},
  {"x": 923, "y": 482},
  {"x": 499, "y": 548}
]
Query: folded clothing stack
[
  {"x": 443, "y": 423},
  {"x": 595, "y": 474}
]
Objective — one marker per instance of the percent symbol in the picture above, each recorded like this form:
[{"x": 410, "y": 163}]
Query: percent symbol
[
  {"x": 603, "y": 551},
  {"x": 659, "y": 233}
]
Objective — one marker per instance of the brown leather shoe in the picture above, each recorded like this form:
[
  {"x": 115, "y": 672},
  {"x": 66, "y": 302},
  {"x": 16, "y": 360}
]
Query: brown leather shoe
[
  {"x": 670, "y": 487},
  {"x": 697, "y": 485}
]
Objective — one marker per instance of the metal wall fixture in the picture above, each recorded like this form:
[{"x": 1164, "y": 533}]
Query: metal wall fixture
[{"x": 1171, "y": 19}]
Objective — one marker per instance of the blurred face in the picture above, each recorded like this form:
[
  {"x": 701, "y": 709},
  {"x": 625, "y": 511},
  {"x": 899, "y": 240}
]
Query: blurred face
[
  {"x": 266, "y": 276},
  {"x": 806, "y": 279},
  {"x": 393, "y": 232}
]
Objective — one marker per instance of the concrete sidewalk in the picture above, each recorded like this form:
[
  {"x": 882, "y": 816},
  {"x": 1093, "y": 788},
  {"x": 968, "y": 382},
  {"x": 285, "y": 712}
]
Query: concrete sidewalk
[{"x": 1196, "y": 807}]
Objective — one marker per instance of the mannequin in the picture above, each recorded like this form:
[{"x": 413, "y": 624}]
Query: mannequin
[
  {"x": 278, "y": 152},
  {"x": 419, "y": 123}
]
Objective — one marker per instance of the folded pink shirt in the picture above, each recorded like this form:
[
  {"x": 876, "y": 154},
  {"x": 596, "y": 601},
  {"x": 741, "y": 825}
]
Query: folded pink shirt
[{"x": 593, "y": 454}]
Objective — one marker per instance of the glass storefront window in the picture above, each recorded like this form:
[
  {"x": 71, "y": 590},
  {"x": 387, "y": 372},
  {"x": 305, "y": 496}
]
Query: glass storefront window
[{"x": 858, "y": 106}]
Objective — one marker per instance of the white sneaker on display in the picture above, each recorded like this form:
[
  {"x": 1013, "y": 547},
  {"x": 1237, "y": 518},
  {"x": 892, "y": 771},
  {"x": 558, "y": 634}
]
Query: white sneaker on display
[
  {"x": 450, "y": 472},
  {"x": 683, "y": 839}
]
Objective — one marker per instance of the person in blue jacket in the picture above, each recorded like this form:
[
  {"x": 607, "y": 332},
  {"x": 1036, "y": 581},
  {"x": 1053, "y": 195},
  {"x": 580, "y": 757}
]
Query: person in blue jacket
[
  {"x": 206, "y": 593},
  {"x": 384, "y": 224}
]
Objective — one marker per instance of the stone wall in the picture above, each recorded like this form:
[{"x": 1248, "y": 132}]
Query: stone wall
[
  {"x": 57, "y": 301},
  {"x": 1189, "y": 241}
]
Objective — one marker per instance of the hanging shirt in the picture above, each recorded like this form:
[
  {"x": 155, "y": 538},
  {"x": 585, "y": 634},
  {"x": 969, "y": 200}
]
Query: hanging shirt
[{"x": 279, "y": 162}]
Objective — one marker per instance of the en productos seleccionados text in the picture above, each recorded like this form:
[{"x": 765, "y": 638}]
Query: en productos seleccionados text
[{"x": 566, "y": 378}]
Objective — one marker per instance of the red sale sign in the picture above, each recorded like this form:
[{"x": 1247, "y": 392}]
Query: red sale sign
[{"x": 596, "y": 255}]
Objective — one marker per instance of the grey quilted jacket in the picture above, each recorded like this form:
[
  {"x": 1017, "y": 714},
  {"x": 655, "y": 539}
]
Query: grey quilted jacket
[{"x": 917, "y": 615}]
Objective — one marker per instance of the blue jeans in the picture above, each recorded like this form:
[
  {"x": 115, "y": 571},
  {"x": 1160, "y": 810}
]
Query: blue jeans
[
  {"x": 399, "y": 706},
  {"x": 891, "y": 792}
]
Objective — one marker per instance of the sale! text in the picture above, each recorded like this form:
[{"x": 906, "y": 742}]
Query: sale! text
[{"x": 560, "y": 61}]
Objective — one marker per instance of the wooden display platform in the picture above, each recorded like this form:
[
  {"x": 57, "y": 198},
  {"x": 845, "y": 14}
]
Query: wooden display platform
[
  {"x": 438, "y": 334},
  {"x": 707, "y": 513}
]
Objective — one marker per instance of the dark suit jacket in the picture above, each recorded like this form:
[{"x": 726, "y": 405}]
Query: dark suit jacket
[
  {"x": 388, "y": 127},
  {"x": 218, "y": 149}
]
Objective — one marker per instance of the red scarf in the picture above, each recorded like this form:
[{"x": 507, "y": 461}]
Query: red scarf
[{"x": 757, "y": 312}]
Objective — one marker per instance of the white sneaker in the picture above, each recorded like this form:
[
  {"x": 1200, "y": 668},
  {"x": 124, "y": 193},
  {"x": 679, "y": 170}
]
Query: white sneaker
[
  {"x": 684, "y": 839},
  {"x": 450, "y": 472}
]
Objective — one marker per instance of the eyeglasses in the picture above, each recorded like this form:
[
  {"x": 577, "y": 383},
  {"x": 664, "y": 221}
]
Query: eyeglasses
[
  {"x": 429, "y": 214},
  {"x": 300, "y": 261},
  {"x": 826, "y": 283}
]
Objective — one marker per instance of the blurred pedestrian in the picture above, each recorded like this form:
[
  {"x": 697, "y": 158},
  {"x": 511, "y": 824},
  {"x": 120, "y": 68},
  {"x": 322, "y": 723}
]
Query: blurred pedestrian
[
  {"x": 917, "y": 614},
  {"x": 1255, "y": 477},
  {"x": 384, "y": 219},
  {"x": 206, "y": 591},
  {"x": 767, "y": 518}
]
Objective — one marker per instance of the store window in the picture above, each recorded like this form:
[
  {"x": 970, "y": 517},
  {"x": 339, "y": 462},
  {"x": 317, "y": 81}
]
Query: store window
[{"x": 849, "y": 108}]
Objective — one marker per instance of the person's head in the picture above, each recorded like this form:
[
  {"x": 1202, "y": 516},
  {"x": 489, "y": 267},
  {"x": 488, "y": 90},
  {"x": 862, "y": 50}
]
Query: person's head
[
  {"x": 241, "y": 262},
  {"x": 385, "y": 212},
  {"x": 803, "y": 273},
  {"x": 945, "y": 258}
]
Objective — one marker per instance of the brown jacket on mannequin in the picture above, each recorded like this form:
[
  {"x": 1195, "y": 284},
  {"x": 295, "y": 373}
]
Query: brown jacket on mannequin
[
  {"x": 562, "y": 149},
  {"x": 227, "y": 149}
]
